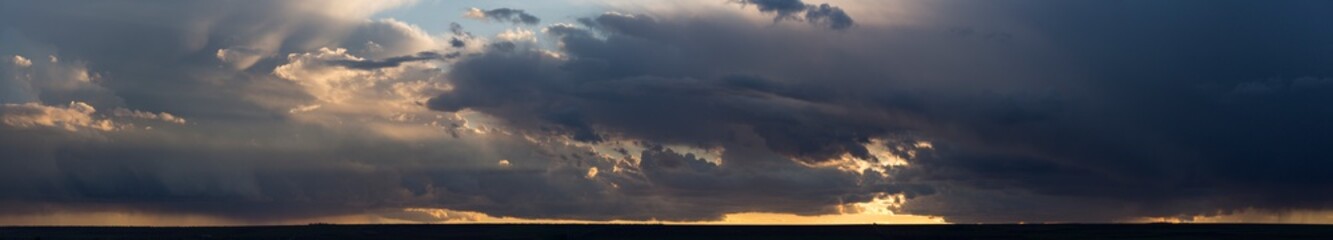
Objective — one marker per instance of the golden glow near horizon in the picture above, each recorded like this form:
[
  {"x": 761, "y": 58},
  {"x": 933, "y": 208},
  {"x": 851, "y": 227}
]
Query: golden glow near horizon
[
  {"x": 150, "y": 219},
  {"x": 869, "y": 213},
  {"x": 1256, "y": 216},
  {"x": 873, "y": 212}
]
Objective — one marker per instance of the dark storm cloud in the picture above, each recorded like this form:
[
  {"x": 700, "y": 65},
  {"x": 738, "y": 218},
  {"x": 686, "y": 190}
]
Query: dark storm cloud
[
  {"x": 240, "y": 157},
  {"x": 1070, "y": 111},
  {"x": 648, "y": 79},
  {"x": 824, "y": 14},
  {"x": 1165, "y": 134},
  {"x": 1098, "y": 117},
  {"x": 515, "y": 16}
]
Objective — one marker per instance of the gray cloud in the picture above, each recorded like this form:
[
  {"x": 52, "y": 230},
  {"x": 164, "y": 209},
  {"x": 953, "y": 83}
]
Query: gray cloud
[
  {"x": 822, "y": 14},
  {"x": 832, "y": 16},
  {"x": 654, "y": 80},
  {"x": 515, "y": 16}
]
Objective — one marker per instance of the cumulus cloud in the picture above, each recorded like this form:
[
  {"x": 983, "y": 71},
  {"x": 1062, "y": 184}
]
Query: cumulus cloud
[
  {"x": 515, "y": 16},
  {"x": 333, "y": 75},
  {"x": 387, "y": 38},
  {"x": 386, "y": 97},
  {"x": 77, "y": 116},
  {"x": 517, "y": 35},
  {"x": 20, "y": 61}
]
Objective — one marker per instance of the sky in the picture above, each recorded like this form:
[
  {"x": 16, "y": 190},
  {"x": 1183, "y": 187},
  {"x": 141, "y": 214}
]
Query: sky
[{"x": 207, "y": 112}]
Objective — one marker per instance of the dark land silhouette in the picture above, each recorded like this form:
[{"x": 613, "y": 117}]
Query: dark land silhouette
[{"x": 645, "y": 232}]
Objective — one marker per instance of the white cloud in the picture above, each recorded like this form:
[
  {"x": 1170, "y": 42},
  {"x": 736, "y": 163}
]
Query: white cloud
[
  {"x": 165, "y": 117},
  {"x": 475, "y": 13},
  {"x": 327, "y": 82},
  {"x": 408, "y": 83},
  {"x": 383, "y": 100},
  {"x": 517, "y": 35},
  {"x": 21, "y": 61},
  {"x": 76, "y": 116}
]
